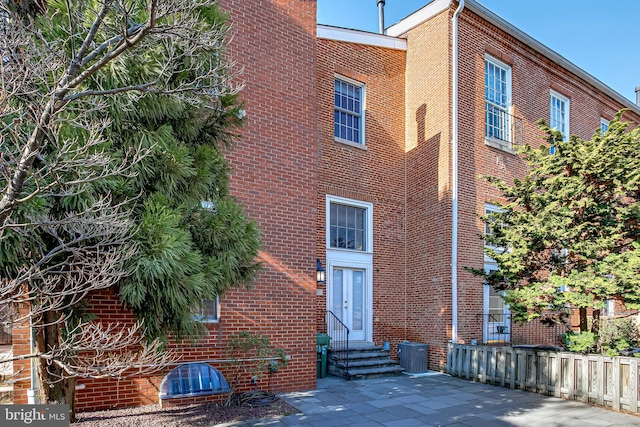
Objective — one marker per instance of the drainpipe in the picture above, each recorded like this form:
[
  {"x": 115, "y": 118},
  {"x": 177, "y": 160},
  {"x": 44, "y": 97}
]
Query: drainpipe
[
  {"x": 381, "y": 16},
  {"x": 32, "y": 393},
  {"x": 454, "y": 189}
]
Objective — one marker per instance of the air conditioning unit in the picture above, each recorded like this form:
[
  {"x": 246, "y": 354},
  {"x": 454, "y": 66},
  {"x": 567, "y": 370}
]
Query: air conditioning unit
[{"x": 413, "y": 357}]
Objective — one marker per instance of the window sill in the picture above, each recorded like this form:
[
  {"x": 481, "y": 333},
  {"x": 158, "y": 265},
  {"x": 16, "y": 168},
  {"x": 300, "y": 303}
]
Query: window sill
[
  {"x": 499, "y": 144},
  {"x": 350, "y": 143}
]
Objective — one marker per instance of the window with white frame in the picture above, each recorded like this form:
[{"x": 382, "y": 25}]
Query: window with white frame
[
  {"x": 559, "y": 114},
  {"x": 604, "y": 125},
  {"x": 497, "y": 89},
  {"x": 488, "y": 210},
  {"x": 209, "y": 310},
  {"x": 349, "y": 224},
  {"x": 348, "y": 123}
]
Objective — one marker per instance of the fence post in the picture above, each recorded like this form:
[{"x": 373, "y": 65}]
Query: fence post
[
  {"x": 467, "y": 361},
  {"x": 633, "y": 384},
  {"x": 601, "y": 382},
  {"x": 557, "y": 390},
  {"x": 483, "y": 364},
  {"x": 571, "y": 380},
  {"x": 522, "y": 368},
  {"x": 585, "y": 378},
  {"x": 512, "y": 369},
  {"x": 617, "y": 384},
  {"x": 493, "y": 369},
  {"x": 533, "y": 375}
]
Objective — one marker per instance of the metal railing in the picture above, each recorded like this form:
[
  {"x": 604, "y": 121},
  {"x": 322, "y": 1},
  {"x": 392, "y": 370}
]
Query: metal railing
[
  {"x": 502, "y": 127},
  {"x": 499, "y": 329},
  {"x": 496, "y": 328},
  {"x": 339, "y": 346}
]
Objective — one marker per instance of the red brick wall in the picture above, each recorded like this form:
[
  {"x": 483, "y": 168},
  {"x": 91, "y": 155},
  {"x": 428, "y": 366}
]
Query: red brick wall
[
  {"x": 374, "y": 173},
  {"x": 275, "y": 177},
  {"x": 532, "y": 78},
  {"x": 428, "y": 112}
]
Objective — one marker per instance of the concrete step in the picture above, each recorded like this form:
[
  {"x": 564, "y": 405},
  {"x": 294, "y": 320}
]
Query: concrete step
[
  {"x": 361, "y": 363},
  {"x": 366, "y": 360},
  {"x": 359, "y": 355},
  {"x": 374, "y": 372}
]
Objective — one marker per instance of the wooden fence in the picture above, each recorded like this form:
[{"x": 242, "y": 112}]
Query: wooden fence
[{"x": 591, "y": 378}]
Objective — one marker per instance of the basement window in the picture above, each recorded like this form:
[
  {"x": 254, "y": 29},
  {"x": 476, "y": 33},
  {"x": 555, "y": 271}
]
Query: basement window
[{"x": 193, "y": 379}]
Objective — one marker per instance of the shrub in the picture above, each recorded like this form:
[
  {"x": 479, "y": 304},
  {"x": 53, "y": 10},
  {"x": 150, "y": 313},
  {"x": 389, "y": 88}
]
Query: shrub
[
  {"x": 251, "y": 357},
  {"x": 583, "y": 342},
  {"x": 618, "y": 335}
]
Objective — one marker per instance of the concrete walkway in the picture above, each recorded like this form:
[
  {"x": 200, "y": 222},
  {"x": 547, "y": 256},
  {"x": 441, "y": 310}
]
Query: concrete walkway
[{"x": 434, "y": 400}]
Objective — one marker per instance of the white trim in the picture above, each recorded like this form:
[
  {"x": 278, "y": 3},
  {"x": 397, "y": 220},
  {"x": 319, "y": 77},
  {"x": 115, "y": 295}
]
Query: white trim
[
  {"x": 362, "y": 113},
  {"x": 489, "y": 208},
  {"x": 506, "y": 312},
  {"x": 505, "y": 145},
  {"x": 360, "y": 37},
  {"x": 567, "y": 112},
  {"x": 207, "y": 319},
  {"x": 418, "y": 17},
  {"x": 356, "y": 261},
  {"x": 604, "y": 122},
  {"x": 368, "y": 217},
  {"x": 349, "y": 258}
]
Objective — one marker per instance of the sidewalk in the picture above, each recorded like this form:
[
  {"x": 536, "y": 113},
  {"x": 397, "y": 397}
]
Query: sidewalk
[{"x": 434, "y": 400}]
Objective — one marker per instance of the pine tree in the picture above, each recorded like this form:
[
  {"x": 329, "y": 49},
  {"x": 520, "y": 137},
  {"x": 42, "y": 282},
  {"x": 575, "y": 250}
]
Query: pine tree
[
  {"x": 194, "y": 239},
  {"x": 114, "y": 116},
  {"x": 568, "y": 235}
]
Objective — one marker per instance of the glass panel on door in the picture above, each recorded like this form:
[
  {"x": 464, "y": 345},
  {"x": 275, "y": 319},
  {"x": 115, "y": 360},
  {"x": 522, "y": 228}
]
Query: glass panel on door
[
  {"x": 348, "y": 300},
  {"x": 337, "y": 293}
]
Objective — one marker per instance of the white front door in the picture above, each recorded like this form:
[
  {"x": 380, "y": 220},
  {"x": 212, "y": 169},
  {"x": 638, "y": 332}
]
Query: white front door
[{"x": 348, "y": 300}]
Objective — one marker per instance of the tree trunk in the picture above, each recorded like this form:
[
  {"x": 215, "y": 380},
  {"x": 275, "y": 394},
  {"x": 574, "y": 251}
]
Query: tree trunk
[
  {"x": 54, "y": 383},
  {"x": 583, "y": 319},
  {"x": 595, "y": 325}
]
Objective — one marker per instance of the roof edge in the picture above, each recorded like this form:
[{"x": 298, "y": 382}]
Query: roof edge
[
  {"x": 418, "y": 17},
  {"x": 555, "y": 57},
  {"x": 437, "y": 6},
  {"x": 360, "y": 37}
]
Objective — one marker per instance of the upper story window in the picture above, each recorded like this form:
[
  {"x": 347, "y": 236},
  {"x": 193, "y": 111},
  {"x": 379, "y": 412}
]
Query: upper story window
[
  {"x": 497, "y": 85},
  {"x": 604, "y": 125},
  {"x": 348, "y": 123},
  {"x": 559, "y": 114},
  {"x": 349, "y": 224}
]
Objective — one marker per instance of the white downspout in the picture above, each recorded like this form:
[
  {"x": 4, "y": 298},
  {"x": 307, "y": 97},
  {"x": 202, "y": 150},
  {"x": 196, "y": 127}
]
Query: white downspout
[
  {"x": 454, "y": 189},
  {"x": 32, "y": 393}
]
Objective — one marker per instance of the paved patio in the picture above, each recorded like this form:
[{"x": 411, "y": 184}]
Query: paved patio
[{"x": 434, "y": 400}]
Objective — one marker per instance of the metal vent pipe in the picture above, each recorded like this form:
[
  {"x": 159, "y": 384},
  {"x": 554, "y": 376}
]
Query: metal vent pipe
[
  {"x": 638, "y": 95},
  {"x": 381, "y": 16}
]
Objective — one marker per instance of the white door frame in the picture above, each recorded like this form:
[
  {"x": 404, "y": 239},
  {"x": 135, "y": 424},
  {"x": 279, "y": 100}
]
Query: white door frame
[
  {"x": 355, "y": 259},
  {"x": 351, "y": 262}
]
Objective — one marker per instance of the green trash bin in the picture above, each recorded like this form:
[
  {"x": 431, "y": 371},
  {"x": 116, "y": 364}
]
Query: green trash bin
[{"x": 322, "y": 345}]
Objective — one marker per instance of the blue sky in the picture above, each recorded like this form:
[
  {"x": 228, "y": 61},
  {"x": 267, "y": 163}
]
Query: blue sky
[{"x": 600, "y": 37}]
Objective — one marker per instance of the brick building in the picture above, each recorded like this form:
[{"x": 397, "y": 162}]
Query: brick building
[
  {"x": 364, "y": 151},
  {"x": 422, "y": 184}
]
